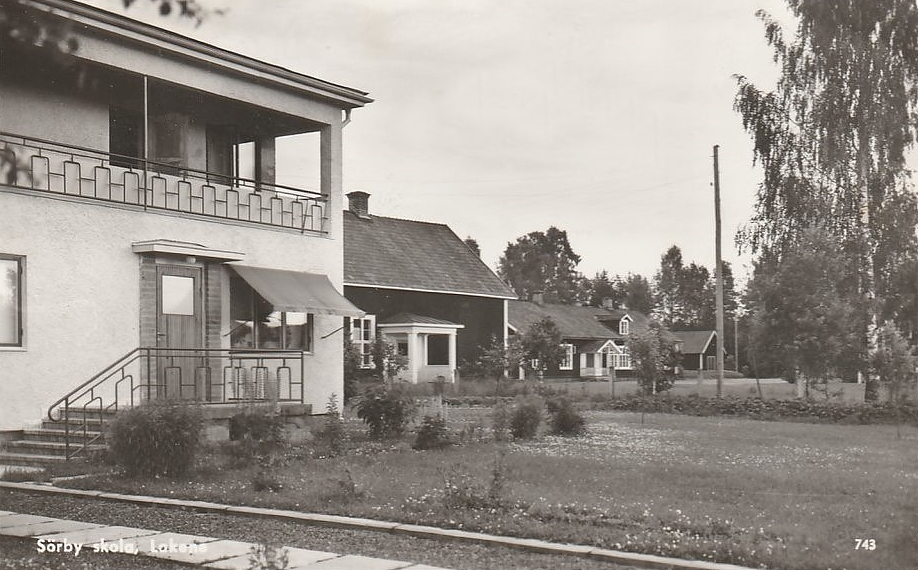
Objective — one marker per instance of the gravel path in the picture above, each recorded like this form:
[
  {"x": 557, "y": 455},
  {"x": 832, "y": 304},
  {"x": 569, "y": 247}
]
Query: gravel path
[{"x": 448, "y": 554}]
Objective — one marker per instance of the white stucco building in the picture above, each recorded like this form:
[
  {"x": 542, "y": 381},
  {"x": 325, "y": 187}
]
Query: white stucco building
[{"x": 143, "y": 235}]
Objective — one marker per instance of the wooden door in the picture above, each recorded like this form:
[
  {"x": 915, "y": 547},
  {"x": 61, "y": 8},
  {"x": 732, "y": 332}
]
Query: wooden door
[{"x": 179, "y": 325}]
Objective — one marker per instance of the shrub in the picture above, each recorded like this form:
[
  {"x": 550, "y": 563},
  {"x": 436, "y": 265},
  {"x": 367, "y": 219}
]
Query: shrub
[
  {"x": 266, "y": 479},
  {"x": 500, "y": 421},
  {"x": 346, "y": 489},
  {"x": 565, "y": 419},
  {"x": 432, "y": 434},
  {"x": 157, "y": 438},
  {"x": 257, "y": 433},
  {"x": 386, "y": 410},
  {"x": 461, "y": 490},
  {"x": 756, "y": 408},
  {"x": 331, "y": 437},
  {"x": 526, "y": 417},
  {"x": 267, "y": 556}
]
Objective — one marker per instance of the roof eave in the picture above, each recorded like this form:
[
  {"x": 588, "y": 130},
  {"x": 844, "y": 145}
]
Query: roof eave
[{"x": 346, "y": 97}]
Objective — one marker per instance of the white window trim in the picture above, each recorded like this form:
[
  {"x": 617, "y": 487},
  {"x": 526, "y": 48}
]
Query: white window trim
[
  {"x": 567, "y": 363},
  {"x": 624, "y": 325},
  {"x": 364, "y": 346},
  {"x": 20, "y": 302}
]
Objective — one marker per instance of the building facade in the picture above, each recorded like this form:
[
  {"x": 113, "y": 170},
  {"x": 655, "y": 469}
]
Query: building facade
[
  {"x": 423, "y": 289},
  {"x": 147, "y": 248}
]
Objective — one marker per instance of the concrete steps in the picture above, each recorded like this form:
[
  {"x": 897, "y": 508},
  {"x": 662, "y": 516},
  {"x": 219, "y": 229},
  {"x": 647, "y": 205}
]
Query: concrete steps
[{"x": 48, "y": 445}]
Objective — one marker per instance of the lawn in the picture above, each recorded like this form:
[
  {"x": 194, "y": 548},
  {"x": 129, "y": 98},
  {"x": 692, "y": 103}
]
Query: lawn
[{"x": 770, "y": 494}]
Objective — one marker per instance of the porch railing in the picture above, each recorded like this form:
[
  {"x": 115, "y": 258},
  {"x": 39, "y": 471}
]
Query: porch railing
[
  {"x": 56, "y": 168},
  {"x": 197, "y": 375}
]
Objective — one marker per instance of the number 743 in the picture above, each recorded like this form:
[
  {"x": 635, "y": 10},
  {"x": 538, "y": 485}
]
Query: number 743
[{"x": 865, "y": 544}]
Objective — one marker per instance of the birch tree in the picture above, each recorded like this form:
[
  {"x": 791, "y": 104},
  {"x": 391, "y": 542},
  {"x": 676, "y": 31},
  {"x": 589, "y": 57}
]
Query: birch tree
[{"x": 832, "y": 138}]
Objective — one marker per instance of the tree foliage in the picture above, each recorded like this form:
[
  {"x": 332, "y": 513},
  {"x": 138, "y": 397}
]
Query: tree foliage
[
  {"x": 632, "y": 291},
  {"x": 685, "y": 294},
  {"x": 653, "y": 359},
  {"x": 802, "y": 318},
  {"x": 497, "y": 359},
  {"x": 542, "y": 262},
  {"x": 895, "y": 363},
  {"x": 472, "y": 244},
  {"x": 831, "y": 139},
  {"x": 541, "y": 345}
]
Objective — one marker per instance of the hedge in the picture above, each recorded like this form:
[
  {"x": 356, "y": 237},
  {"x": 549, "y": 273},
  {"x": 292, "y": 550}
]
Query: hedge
[{"x": 757, "y": 408}]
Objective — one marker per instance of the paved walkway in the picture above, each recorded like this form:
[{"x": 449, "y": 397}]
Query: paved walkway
[{"x": 208, "y": 552}]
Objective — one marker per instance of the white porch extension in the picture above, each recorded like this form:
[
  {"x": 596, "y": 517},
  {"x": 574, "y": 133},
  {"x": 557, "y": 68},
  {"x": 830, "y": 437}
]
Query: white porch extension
[{"x": 429, "y": 344}]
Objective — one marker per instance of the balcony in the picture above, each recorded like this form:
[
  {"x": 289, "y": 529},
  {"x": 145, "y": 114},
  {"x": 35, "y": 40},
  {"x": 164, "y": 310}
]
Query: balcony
[{"x": 56, "y": 169}]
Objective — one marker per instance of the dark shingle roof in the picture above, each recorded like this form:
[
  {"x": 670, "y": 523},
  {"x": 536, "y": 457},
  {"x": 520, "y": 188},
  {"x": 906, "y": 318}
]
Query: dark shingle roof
[
  {"x": 693, "y": 342},
  {"x": 405, "y": 254},
  {"x": 572, "y": 321}
]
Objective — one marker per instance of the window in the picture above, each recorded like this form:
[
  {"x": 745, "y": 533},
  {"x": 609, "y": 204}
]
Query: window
[
  {"x": 590, "y": 360},
  {"x": 437, "y": 349},
  {"x": 363, "y": 333},
  {"x": 177, "y": 295},
  {"x": 623, "y": 360},
  {"x": 257, "y": 325},
  {"x": 125, "y": 137},
  {"x": 567, "y": 361},
  {"x": 624, "y": 325},
  {"x": 11, "y": 298}
]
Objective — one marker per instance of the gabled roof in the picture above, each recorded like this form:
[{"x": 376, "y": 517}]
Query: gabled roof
[
  {"x": 694, "y": 342},
  {"x": 411, "y": 318},
  {"x": 574, "y": 322},
  {"x": 421, "y": 256},
  {"x": 593, "y": 345},
  {"x": 582, "y": 323}
]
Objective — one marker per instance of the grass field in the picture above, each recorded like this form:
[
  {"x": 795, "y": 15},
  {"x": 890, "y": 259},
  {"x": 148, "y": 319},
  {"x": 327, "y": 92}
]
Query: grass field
[{"x": 770, "y": 494}]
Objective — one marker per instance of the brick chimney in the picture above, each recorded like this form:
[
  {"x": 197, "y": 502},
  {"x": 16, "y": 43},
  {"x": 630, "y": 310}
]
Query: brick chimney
[
  {"x": 537, "y": 297},
  {"x": 608, "y": 303},
  {"x": 358, "y": 203}
]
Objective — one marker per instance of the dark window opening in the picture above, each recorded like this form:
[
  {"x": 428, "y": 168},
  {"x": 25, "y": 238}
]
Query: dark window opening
[
  {"x": 438, "y": 349},
  {"x": 125, "y": 138}
]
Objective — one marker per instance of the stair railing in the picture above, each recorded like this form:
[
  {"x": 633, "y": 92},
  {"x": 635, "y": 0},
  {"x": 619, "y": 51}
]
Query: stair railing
[{"x": 151, "y": 373}]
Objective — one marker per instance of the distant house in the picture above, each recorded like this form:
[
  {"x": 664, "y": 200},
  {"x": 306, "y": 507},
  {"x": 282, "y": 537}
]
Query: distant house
[
  {"x": 595, "y": 338},
  {"x": 699, "y": 349},
  {"x": 422, "y": 288}
]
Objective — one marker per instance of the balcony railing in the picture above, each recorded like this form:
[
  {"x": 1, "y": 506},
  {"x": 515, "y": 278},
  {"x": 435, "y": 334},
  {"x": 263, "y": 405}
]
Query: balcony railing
[{"x": 55, "y": 168}]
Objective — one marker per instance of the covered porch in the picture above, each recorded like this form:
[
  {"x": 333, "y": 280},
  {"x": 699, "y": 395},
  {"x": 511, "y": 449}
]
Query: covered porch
[{"x": 429, "y": 345}]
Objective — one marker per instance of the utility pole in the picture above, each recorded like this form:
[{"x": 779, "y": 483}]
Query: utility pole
[
  {"x": 735, "y": 340},
  {"x": 719, "y": 280}
]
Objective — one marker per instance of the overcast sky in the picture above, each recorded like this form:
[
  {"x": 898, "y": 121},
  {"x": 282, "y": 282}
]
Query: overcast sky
[{"x": 502, "y": 117}]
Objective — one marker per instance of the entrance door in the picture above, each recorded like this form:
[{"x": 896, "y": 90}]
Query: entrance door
[{"x": 179, "y": 325}]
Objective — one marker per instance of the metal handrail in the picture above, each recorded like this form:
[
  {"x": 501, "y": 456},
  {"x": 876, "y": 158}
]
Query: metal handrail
[
  {"x": 236, "y": 364},
  {"x": 106, "y": 156}
]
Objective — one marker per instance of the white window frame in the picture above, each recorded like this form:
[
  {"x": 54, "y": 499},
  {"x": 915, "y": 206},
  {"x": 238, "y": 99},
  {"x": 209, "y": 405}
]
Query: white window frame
[
  {"x": 624, "y": 325},
  {"x": 364, "y": 342},
  {"x": 19, "y": 301},
  {"x": 567, "y": 362}
]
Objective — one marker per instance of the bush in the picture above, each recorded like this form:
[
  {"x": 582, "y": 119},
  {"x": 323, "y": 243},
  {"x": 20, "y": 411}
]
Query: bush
[
  {"x": 331, "y": 437},
  {"x": 258, "y": 433},
  {"x": 433, "y": 434},
  {"x": 386, "y": 410},
  {"x": 500, "y": 421},
  {"x": 526, "y": 417},
  {"x": 565, "y": 419},
  {"x": 157, "y": 438},
  {"x": 461, "y": 490}
]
